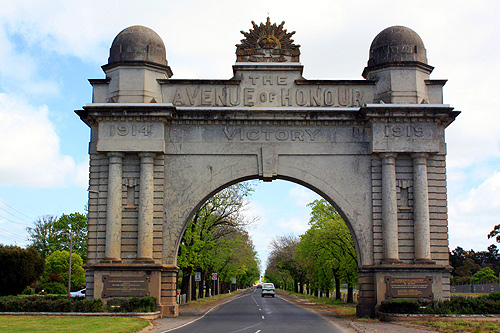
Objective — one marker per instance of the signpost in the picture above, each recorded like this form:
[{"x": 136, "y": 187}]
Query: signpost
[
  {"x": 214, "y": 278},
  {"x": 197, "y": 276}
]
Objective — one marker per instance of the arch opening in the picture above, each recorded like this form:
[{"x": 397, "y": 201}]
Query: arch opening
[{"x": 289, "y": 216}]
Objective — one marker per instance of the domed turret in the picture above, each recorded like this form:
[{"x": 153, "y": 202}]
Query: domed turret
[
  {"x": 138, "y": 43},
  {"x": 137, "y": 59},
  {"x": 398, "y": 64},
  {"x": 397, "y": 45}
]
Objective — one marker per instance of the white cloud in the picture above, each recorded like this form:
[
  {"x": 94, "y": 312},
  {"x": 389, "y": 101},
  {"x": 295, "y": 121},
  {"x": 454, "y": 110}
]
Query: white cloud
[
  {"x": 30, "y": 149},
  {"x": 302, "y": 195},
  {"x": 474, "y": 215}
]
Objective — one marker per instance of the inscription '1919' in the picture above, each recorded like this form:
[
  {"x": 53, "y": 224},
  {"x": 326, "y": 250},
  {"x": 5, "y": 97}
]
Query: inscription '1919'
[
  {"x": 267, "y": 134},
  {"x": 403, "y": 131}
]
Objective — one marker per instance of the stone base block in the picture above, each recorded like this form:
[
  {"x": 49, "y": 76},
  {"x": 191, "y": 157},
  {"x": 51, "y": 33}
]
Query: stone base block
[{"x": 169, "y": 311}]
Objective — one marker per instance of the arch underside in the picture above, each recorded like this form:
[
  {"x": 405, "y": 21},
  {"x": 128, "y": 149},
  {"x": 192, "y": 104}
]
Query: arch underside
[{"x": 343, "y": 180}]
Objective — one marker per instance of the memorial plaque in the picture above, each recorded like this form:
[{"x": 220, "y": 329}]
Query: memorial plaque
[
  {"x": 409, "y": 287},
  {"x": 125, "y": 286}
]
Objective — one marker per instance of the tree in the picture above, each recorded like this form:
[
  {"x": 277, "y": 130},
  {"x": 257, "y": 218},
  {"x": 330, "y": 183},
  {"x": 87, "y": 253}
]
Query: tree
[
  {"x": 217, "y": 219},
  {"x": 19, "y": 268},
  {"x": 75, "y": 223},
  {"x": 44, "y": 237},
  {"x": 495, "y": 232},
  {"x": 51, "y": 233},
  {"x": 57, "y": 269},
  {"x": 329, "y": 243},
  {"x": 485, "y": 274}
]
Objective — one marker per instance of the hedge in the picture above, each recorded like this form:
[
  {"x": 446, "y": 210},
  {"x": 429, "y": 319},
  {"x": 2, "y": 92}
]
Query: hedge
[
  {"x": 75, "y": 304},
  {"x": 486, "y": 304}
]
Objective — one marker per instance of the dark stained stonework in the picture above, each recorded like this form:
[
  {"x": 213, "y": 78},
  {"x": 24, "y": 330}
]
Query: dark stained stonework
[
  {"x": 397, "y": 45},
  {"x": 138, "y": 43}
]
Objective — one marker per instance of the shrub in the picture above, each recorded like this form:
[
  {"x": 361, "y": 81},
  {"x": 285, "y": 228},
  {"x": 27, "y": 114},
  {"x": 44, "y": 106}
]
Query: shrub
[
  {"x": 132, "y": 304},
  {"x": 49, "y": 304},
  {"x": 53, "y": 287},
  {"x": 75, "y": 304},
  {"x": 487, "y": 304},
  {"x": 399, "y": 306}
]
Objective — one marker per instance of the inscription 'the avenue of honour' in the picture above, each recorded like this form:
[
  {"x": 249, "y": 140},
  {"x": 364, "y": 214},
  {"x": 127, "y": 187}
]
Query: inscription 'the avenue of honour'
[{"x": 264, "y": 91}]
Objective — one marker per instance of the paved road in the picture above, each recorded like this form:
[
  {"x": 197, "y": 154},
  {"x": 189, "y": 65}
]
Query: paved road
[{"x": 251, "y": 313}]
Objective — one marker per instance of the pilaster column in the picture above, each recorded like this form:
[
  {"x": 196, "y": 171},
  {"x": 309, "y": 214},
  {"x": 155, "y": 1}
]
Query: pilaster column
[
  {"x": 389, "y": 209},
  {"x": 421, "y": 228},
  {"x": 146, "y": 201},
  {"x": 114, "y": 208}
]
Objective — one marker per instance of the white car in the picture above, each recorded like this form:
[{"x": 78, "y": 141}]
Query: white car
[
  {"x": 79, "y": 293},
  {"x": 267, "y": 289}
]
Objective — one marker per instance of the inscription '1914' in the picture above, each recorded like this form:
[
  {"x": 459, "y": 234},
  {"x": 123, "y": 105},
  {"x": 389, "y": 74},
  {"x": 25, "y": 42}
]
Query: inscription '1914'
[
  {"x": 267, "y": 134},
  {"x": 130, "y": 130}
]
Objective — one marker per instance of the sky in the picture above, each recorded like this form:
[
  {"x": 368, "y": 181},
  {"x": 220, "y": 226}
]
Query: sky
[{"x": 49, "y": 49}]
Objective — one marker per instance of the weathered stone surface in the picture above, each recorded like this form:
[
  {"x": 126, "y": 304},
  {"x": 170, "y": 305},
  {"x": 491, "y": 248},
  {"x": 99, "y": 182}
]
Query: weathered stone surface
[{"x": 160, "y": 147}]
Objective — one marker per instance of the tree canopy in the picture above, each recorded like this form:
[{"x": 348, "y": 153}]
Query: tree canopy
[
  {"x": 19, "y": 268},
  {"x": 216, "y": 240},
  {"x": 325, "y": 253},
  {"x": 50, "y": 233}
]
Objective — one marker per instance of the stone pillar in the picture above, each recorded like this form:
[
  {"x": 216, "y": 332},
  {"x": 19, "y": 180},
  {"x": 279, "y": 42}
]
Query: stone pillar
[
  {"x": 114, "y": 208},
  {"x": 389, "y": 209},
  {"x": 421, "y": 229},
  {"x": 146, "y": 201}
]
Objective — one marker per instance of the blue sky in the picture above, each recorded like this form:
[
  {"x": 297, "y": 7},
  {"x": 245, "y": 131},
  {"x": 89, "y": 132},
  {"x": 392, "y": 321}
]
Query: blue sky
[{"x": 49, "y": 49}]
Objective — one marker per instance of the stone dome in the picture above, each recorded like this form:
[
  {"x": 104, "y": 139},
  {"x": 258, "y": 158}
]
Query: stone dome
[
  {"x": 138, "y": 43},
  {"x": 397, "y": 45}
]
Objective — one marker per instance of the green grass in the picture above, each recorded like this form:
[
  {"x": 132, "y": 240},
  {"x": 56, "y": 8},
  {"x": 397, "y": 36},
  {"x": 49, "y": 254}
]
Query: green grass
[
  {"x": 70, "y": 324},
  {"x": 463, "y": 325},
  {"x": 206, "y": 300},
  {"x": 341, "y": 309}
]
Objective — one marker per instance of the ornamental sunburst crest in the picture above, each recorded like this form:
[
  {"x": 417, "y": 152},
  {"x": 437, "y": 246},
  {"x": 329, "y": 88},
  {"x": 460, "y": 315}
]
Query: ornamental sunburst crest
[{"x": 267, "y": 43}]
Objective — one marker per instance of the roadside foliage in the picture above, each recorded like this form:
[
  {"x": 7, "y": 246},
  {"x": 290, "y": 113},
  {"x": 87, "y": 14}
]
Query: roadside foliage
[
  {"x": 320, "y": 260},
  {"x": 216, "y": 240}
]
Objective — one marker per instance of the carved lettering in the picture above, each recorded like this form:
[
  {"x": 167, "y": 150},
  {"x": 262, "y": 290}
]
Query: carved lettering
[
  {"x": 281, "y": 80},
  {"x": 192, "y": 97},
  {"x": 285, "y": 97},
  {"x": 400, "y": 131},
  {"x": 124, "y": 130},
  {"x": 256, "y": 95},
  {"x": 312, "y": 134},
  {"x": 248, "y": 96},
  {"x": 316, "y": 97},
  {"x": 267, "y": 134},
  {"x": 207, "y": 96}
]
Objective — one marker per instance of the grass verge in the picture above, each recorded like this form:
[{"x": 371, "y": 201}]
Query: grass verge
[
  {"x": 462, "y": 325},
  {"x": 340, "y": 308},
  {"x": 70, "y": 324},
  {"x": 208, "y": 300}
]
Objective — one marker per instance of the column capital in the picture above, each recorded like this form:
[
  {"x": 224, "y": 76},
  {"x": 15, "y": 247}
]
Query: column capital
[
  {"x": 419, "y": 156},
  {"x": 388, "y": 158},
  {"x": 115, "y": 157},
  {"x": 146, "y": 154}
]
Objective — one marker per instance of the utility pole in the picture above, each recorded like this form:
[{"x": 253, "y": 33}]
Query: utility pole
[{"x": 70, "y": 255}]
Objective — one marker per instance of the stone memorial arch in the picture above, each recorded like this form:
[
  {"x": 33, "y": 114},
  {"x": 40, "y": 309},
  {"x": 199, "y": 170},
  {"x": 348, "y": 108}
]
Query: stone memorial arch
[{"x": 374, "y": 148}]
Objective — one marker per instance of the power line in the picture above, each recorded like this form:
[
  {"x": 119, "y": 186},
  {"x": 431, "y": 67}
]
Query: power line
[{"x": 29, "y": 218}]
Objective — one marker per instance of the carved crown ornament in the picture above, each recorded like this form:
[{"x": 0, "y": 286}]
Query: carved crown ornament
[{"x": 267, "y": 43}]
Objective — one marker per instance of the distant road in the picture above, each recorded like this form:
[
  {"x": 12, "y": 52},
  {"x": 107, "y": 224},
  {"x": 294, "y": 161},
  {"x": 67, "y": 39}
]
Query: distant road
[{"x": 251, "y": 313}]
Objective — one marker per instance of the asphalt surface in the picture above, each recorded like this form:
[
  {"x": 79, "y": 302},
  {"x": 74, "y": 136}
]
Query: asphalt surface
[
  {"x": 248, "y": 312},
  {"x": 251, "y": 313}
]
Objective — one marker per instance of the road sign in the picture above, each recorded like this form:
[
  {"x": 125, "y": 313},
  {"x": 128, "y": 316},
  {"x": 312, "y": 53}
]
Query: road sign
[
  {"x": 234, "y": 280},
  {"x": 214, "y": 276},
  {"x": 197, "y": 276}
]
